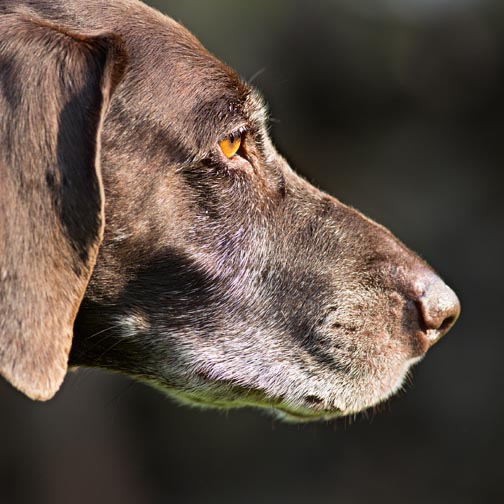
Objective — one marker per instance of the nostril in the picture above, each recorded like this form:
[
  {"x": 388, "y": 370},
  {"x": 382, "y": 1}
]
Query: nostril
[
  {"x": 447, "y": 323},
  {"x": 439, "y": 308}
]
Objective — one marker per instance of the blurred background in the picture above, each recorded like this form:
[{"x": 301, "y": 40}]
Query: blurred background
[{"x": 395, "y": 107}]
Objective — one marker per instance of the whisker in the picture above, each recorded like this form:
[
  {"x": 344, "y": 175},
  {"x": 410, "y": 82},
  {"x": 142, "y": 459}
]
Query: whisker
[
  {"x": 109, "y": 348},
  {"x": 100, "y": 340},
  {"x": 103, "y": 331},
  {"x": 256, "y": 75}
]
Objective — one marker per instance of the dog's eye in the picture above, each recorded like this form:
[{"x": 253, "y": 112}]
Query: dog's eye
[{"x": 231, "y": 144}]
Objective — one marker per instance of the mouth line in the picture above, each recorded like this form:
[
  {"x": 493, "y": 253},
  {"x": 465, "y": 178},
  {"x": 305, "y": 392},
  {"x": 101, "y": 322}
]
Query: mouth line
[
  {"x": 254, "y": 399},
  {"x": 306, "y": 415},
  {"x": 208, "y": 392}
]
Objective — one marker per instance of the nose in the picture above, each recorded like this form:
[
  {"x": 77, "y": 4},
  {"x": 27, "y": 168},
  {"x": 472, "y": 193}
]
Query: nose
[{"x": 438, "y": 306}]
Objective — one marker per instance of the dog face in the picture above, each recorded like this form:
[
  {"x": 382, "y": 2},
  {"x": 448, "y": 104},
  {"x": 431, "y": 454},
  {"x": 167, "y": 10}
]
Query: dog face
[{"x": 223, "y": 277}]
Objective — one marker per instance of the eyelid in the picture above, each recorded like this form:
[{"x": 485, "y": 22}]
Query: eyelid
[{"x": 238, "y": 132}]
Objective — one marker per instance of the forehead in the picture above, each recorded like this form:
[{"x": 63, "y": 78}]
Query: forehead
[{"x": 177, "y": 81}]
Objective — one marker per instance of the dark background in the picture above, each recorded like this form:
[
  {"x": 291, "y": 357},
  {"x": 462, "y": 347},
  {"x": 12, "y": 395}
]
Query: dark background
[{"x": 396, "y": 107}]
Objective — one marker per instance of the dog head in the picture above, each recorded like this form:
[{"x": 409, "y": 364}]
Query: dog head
[{"x": 221, "y": 277}]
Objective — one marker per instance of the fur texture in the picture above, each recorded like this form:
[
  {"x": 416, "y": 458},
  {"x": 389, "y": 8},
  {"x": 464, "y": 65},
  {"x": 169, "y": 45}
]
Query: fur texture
[{"x": 225, "y": 282}]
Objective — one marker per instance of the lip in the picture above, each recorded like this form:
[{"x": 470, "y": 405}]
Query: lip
[
  {"x": 282, "y": 410},
  {"x": 289, "y": 415}
]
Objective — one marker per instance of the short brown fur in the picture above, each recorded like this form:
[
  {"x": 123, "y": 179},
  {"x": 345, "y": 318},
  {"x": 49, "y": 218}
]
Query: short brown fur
[{"x": 226, "y": 282}]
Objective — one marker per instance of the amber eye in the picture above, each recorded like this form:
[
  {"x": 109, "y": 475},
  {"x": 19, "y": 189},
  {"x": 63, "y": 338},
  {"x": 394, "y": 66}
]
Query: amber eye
[{"x": 231, "y": 144}]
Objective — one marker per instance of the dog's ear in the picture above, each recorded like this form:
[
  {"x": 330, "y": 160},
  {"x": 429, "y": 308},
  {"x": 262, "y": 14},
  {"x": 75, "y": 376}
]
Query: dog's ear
[{"x": 54, "y": 91}]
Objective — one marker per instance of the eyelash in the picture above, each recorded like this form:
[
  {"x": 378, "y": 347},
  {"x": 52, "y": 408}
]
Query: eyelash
[{"x": 240, "y": 132}]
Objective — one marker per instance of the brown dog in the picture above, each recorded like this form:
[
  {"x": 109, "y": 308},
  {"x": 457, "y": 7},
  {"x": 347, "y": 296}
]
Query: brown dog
[{"x": 146, "y": 215}]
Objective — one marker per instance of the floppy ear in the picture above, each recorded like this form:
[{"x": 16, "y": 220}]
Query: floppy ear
[{"x": 54, "y": 90}]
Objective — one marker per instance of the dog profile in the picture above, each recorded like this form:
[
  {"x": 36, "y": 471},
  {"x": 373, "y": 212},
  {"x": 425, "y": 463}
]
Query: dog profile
[{"x": 150, "y": 227}]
